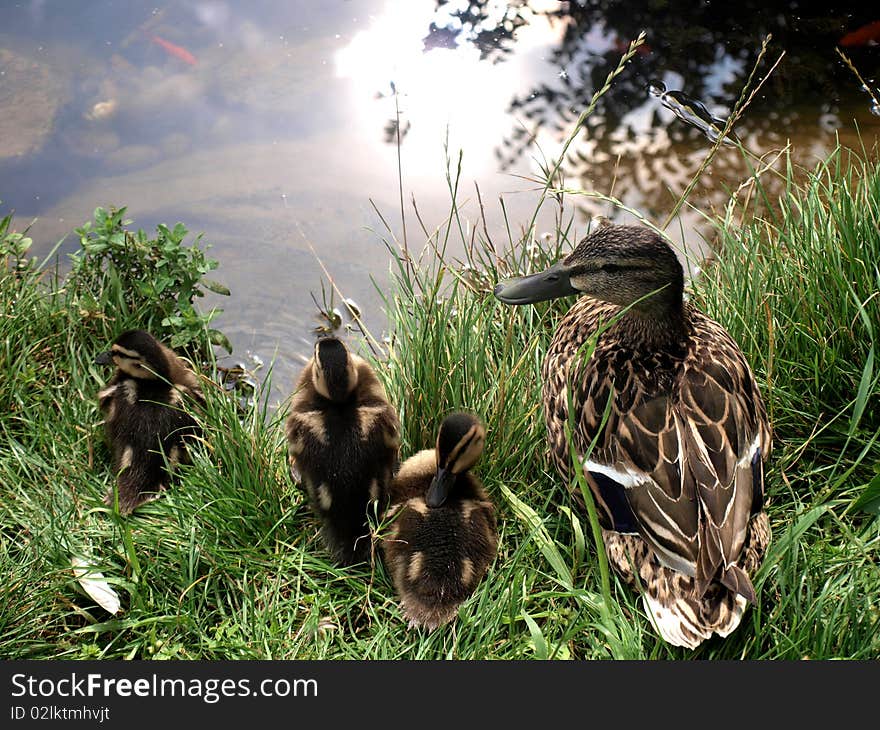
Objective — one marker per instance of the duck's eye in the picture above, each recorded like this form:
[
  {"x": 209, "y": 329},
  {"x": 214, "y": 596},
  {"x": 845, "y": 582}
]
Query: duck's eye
[{"x": 610, "y": 268}]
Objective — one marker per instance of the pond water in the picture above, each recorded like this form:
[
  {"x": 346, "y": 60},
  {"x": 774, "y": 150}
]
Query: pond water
[{"x": 272, "y": 128}]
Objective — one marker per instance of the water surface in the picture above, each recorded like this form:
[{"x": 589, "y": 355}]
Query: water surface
[{"x": 273, "y": 128}]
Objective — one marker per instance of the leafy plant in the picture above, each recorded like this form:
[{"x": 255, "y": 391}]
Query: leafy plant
[
  {"x": 147, "y": 282},
  {"x": 13, "y": 245}
]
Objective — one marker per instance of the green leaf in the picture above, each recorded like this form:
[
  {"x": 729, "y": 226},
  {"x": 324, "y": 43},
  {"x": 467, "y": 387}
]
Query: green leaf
[
  {"x": 869, "y": 500},
  {"x": 579, "y": 547},
  {"x": 540, "y": 535},
  {"x": 216, "y": 287},
  {"x": 538, "y": 640},
  {"x": 219, "y": 339},
  {"x": 181, "y": 338},
  {"x": 862, "y": 395}
]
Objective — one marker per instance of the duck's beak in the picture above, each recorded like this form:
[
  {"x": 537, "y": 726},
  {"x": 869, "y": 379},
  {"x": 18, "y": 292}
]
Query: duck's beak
[
  {"x": 440, "y": 487},
  {"x": 105, "y": 358},
  {"x": 551, "y": 283}
]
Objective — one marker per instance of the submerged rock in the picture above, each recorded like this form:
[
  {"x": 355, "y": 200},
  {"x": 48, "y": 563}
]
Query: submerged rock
[{"x": 30, "y": 97}]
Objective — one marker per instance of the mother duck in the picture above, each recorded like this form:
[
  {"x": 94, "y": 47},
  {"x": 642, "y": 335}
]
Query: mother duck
[{"x": 677, "y": 468}]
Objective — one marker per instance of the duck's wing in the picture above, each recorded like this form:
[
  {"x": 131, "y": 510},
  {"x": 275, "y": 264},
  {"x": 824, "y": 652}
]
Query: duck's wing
[
  {"x": 727, "y": 438},
  {"x": 684, "y": 471},
  {"x": 376, "y": 415},
  {"x": 641, "y": 479},
  {"x": 304, "y": 427}
]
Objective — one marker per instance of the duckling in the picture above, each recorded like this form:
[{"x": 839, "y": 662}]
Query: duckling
[
  {"x": 144, "y": 419},
  {"x": 343, "y": 440},
  {"x": 443, "y": 534},
  {"x": 677, "y": 469}
]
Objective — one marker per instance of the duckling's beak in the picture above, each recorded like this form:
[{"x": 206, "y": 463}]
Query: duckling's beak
[
  {"x": 440, "y": 487},
  {"x": 551, "y": 283},
  {"x": 105, "y": 358}
]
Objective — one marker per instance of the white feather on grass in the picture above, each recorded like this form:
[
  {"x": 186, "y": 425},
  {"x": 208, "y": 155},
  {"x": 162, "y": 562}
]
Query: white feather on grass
[{"x": 94, "y": 585}]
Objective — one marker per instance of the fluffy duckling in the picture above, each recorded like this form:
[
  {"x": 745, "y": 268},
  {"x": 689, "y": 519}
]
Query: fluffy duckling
[
  {"x": 343, "y": 439},
  {"x": 677, "y": 469},
  {"x": 144, "y": 419},
  {"x": 443, "y": 535}
]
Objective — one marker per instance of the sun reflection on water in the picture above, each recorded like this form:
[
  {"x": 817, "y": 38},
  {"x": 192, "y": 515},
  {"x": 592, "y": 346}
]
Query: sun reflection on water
[{"x": 441, "y": 90}]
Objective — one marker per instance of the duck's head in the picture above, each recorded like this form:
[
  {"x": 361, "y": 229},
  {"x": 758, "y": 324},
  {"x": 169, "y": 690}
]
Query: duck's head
[
  {"x": 138, "y": 354},
  {"x": 625, "y": 265},
  {"x": 335, "y": 373},
  {"x": 459, "y": 445}
]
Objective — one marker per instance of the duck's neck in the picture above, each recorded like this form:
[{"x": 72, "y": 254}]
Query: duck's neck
[{"x": 656, "y": 327}]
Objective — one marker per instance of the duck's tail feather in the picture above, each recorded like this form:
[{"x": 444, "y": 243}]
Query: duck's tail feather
[
  {"x": 738, "y": 581},
  {"x": 686, "y": 621},
  {"x": 681, "y": 614},
  {"x": 139, "y": 480}
]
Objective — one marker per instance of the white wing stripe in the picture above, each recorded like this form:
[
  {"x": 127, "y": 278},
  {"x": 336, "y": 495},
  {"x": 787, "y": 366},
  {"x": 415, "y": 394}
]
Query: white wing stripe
[
  {"x": 750, "y": 452},
  {"x": 627, "y": 478}
]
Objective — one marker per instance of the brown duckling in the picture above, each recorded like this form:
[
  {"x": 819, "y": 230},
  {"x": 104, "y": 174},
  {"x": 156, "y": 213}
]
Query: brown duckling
[
  {"x": 343, "y": 439},
  {"x": 145, "y": 421},
  {"x": 677, "y": 469},
  {"x": 443, "y": 535}
]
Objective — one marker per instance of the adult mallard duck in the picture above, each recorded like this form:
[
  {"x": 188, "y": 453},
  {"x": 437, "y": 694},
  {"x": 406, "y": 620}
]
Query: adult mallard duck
[
  {"x": 677, "y": 469},
  {"x": 443, "y": 535},
  {"x": 343, "y": 438},
  {"x": 145, "y": 420}
]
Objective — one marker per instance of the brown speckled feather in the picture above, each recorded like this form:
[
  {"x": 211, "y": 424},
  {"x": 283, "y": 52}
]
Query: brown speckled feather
[{"x": 682, "y": 431}]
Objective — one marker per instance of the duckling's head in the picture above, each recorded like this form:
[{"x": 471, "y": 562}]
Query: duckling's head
[
  {"x": 459, "y": 445},
  {"x": 335, "y": 374},
  {"x": 138, "y": 354},
  {"x": 619, "y": 264}
]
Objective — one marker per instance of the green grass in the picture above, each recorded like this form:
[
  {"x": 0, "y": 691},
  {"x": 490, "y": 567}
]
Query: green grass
[{"x": 228, "y": 563}]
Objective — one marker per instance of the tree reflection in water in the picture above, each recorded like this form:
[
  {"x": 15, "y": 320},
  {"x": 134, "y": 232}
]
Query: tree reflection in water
[{"x": 706, "y": 50}]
